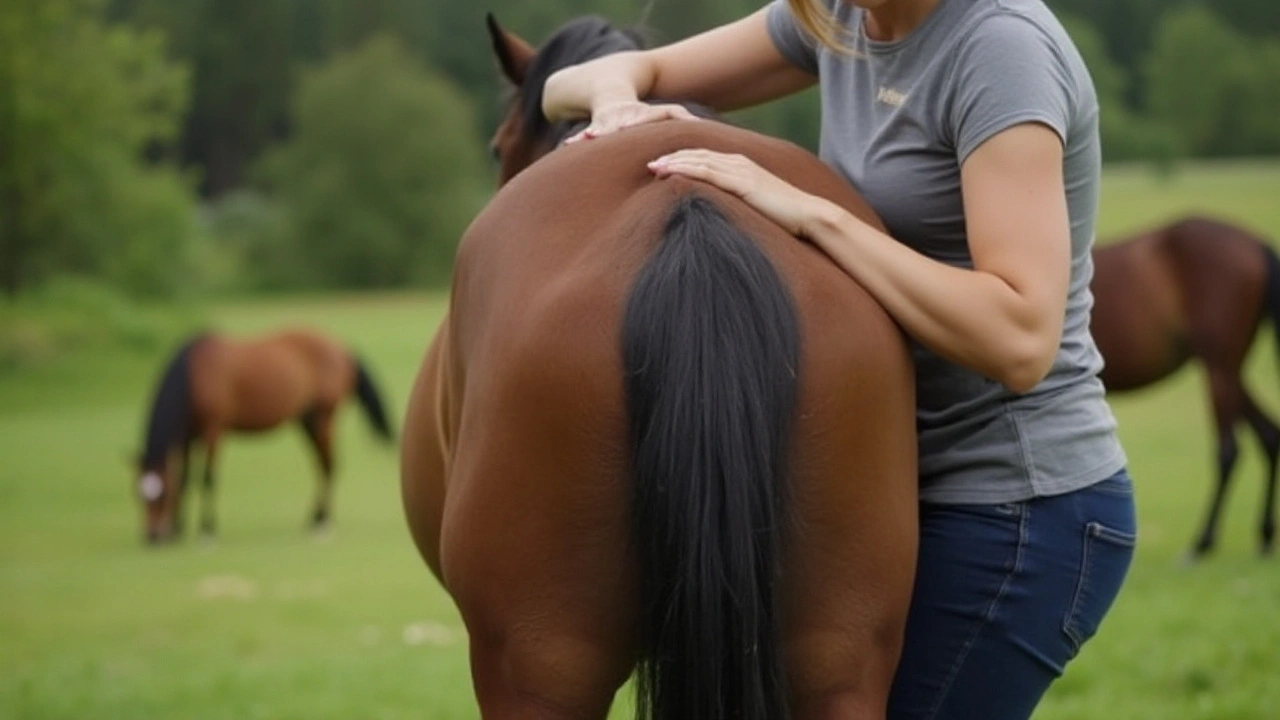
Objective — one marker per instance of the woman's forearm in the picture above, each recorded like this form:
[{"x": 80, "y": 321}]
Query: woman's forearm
[
  {"x": 575, "y": 92},
  {"x": 970, "y": 317},
  {"x": 726, "y": 68}
]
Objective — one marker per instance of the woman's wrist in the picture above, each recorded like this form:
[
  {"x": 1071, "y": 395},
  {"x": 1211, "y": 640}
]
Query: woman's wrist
[
  {"x": 578, "y": 92},
  {"x": 822, "y": 220},
  {"x": 558, "y": 101}
]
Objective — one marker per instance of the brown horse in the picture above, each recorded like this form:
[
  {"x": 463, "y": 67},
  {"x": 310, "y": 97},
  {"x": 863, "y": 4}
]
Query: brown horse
[
  {"x": 216, "y": 384},
  {"x": 1197, "y": 288},
  {"x": 657, "y": 432}
]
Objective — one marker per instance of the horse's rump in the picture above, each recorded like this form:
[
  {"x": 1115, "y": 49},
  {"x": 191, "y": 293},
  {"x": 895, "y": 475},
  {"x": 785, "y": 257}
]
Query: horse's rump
[{"x": 516, "y": 463}]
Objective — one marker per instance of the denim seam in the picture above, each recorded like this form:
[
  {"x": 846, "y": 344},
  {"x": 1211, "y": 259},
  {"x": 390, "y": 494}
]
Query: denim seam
[
  {"x": 987, "y": 616},
  {"x": 1068, "y": 621}
]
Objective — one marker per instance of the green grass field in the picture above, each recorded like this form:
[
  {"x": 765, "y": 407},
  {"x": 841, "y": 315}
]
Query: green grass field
[{"x": 270, "y": 623}]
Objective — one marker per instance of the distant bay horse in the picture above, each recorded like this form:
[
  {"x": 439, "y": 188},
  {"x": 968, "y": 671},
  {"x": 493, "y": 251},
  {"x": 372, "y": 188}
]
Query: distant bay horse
[
  {"x": 1197, "y": 288},
  {"x": 656, "y": 431},
  {"x": 215, "y": 385}
]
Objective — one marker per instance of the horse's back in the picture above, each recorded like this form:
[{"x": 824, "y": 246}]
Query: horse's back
[
  {"x": 590, "y": 192},
  {"x": 1192, "y": 287},
  {"x": 552, "y": 257},
  {"x": 257, "y": 383}
]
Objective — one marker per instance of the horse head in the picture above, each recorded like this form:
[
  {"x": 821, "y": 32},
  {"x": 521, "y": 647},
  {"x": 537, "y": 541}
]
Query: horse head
[
  {"x": 524, "y": 135},
  {"x": 159, "y": 492}
]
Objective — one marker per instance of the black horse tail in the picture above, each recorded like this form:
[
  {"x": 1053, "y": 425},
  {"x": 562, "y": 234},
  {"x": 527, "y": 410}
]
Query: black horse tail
[
  {"x": 1272, "y": 307},
  {"x": 371, "y": 401},
  {"x": 169, "y": 422},
  {"x": 711, "y": 346}
]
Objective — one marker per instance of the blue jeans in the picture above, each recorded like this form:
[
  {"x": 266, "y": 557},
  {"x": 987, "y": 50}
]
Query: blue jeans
[{"x": 1005, "y": 595}]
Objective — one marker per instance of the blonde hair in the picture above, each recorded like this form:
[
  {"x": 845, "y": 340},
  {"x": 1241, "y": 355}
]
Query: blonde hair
[{"x": 816, "y": 20}]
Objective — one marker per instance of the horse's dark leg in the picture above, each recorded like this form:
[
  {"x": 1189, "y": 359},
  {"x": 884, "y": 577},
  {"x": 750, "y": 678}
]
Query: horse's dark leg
[
  {"x": 1269, "y": 436},
  {"x": 184, "y": 472},
  {"x": 1228, "y": 406},
  {"x": 318, "y": 425},
  {"x": 208, "y": 523}
]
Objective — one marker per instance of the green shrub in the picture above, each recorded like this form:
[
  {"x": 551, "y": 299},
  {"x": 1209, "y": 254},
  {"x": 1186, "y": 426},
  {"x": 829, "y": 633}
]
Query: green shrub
[
  {"x": 383, "y": 172},
  {"x": 74, "y": 316}
]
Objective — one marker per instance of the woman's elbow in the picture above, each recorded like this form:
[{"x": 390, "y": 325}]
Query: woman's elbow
[
  {"x": 1022, "y": 380},
  {"x": 1026, "y": 362}
]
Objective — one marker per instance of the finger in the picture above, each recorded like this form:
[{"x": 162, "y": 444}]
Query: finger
[
  {"x": 683, "y": 165},
  {"x": 694, "y": 170},
  {"x": 724, "y": 178}
]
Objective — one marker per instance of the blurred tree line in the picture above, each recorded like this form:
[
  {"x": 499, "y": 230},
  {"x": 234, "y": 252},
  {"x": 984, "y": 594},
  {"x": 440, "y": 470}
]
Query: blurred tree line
[{"x": 173, "y": 146}]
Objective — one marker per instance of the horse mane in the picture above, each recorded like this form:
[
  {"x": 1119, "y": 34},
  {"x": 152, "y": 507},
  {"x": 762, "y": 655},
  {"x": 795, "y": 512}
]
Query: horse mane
[
  {"x": 578, "y": 41},
  {"x": 171, "y": 409}
]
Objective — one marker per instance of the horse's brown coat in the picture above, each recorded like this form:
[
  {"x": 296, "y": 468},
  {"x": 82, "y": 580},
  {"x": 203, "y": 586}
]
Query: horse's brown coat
[
  {"x": 514, "y": 463},
  {"x": 258, "y": 383},
  {"x": 254, "y": 385},
  {"x": 1196, "y": 288}
]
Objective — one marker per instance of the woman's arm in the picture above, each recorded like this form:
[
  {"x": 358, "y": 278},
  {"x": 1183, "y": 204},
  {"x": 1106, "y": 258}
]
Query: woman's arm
[
  {"x": 729, "y": 67},
  {"x": 1004, "y": 317}
]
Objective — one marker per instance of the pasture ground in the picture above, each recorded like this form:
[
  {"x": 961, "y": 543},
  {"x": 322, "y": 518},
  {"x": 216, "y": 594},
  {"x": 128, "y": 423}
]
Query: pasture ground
[{"x": 269, "y": 623}]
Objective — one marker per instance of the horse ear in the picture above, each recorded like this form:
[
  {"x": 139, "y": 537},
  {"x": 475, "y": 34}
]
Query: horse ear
[{"x": 514, "y": 54}]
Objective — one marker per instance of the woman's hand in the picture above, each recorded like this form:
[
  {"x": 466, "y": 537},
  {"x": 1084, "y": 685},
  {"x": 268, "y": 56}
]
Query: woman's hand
[
  {"x": 781, "y": 202},
  {"x": 629, "y": 113}
]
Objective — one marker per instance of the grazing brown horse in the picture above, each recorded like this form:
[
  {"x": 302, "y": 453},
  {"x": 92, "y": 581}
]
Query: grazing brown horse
[
  {"x": 1197, "y": 288},
  {"x": 657, "y": 432},
  {"x": 214, "y": 385}
]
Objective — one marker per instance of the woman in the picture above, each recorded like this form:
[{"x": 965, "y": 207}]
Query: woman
[{"x": 971, "y": 127}]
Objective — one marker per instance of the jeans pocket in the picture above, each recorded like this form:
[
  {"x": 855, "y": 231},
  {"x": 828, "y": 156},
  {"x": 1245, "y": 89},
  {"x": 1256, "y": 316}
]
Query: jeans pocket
[{"x": 1106, "y": 557}]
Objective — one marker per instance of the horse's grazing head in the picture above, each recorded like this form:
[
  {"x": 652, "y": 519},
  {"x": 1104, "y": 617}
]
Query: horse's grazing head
[
  {"x": 525, "y": 134},
  {"x": 158, "y": 491}
]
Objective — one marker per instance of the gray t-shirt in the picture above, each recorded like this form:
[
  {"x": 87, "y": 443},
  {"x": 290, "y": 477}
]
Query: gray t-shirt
[{"x": 898, "y": 120}]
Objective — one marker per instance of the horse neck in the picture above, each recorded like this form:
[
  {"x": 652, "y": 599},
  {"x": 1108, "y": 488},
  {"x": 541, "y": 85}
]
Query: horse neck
[{"x": 170, "y": 417}]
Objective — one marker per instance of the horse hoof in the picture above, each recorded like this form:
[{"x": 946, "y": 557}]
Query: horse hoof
[
  {"x": 321, "y": 533},
  {"x": 1192, "y": 558}
]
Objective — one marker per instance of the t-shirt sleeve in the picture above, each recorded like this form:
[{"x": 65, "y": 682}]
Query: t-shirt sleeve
[
  {"x": 1008, "y": 72},
  {"x": 792, "y": 41}
]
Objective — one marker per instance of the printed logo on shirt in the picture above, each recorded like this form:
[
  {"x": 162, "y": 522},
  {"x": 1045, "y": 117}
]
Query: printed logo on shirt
[{"x": 892, "y": 97}]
